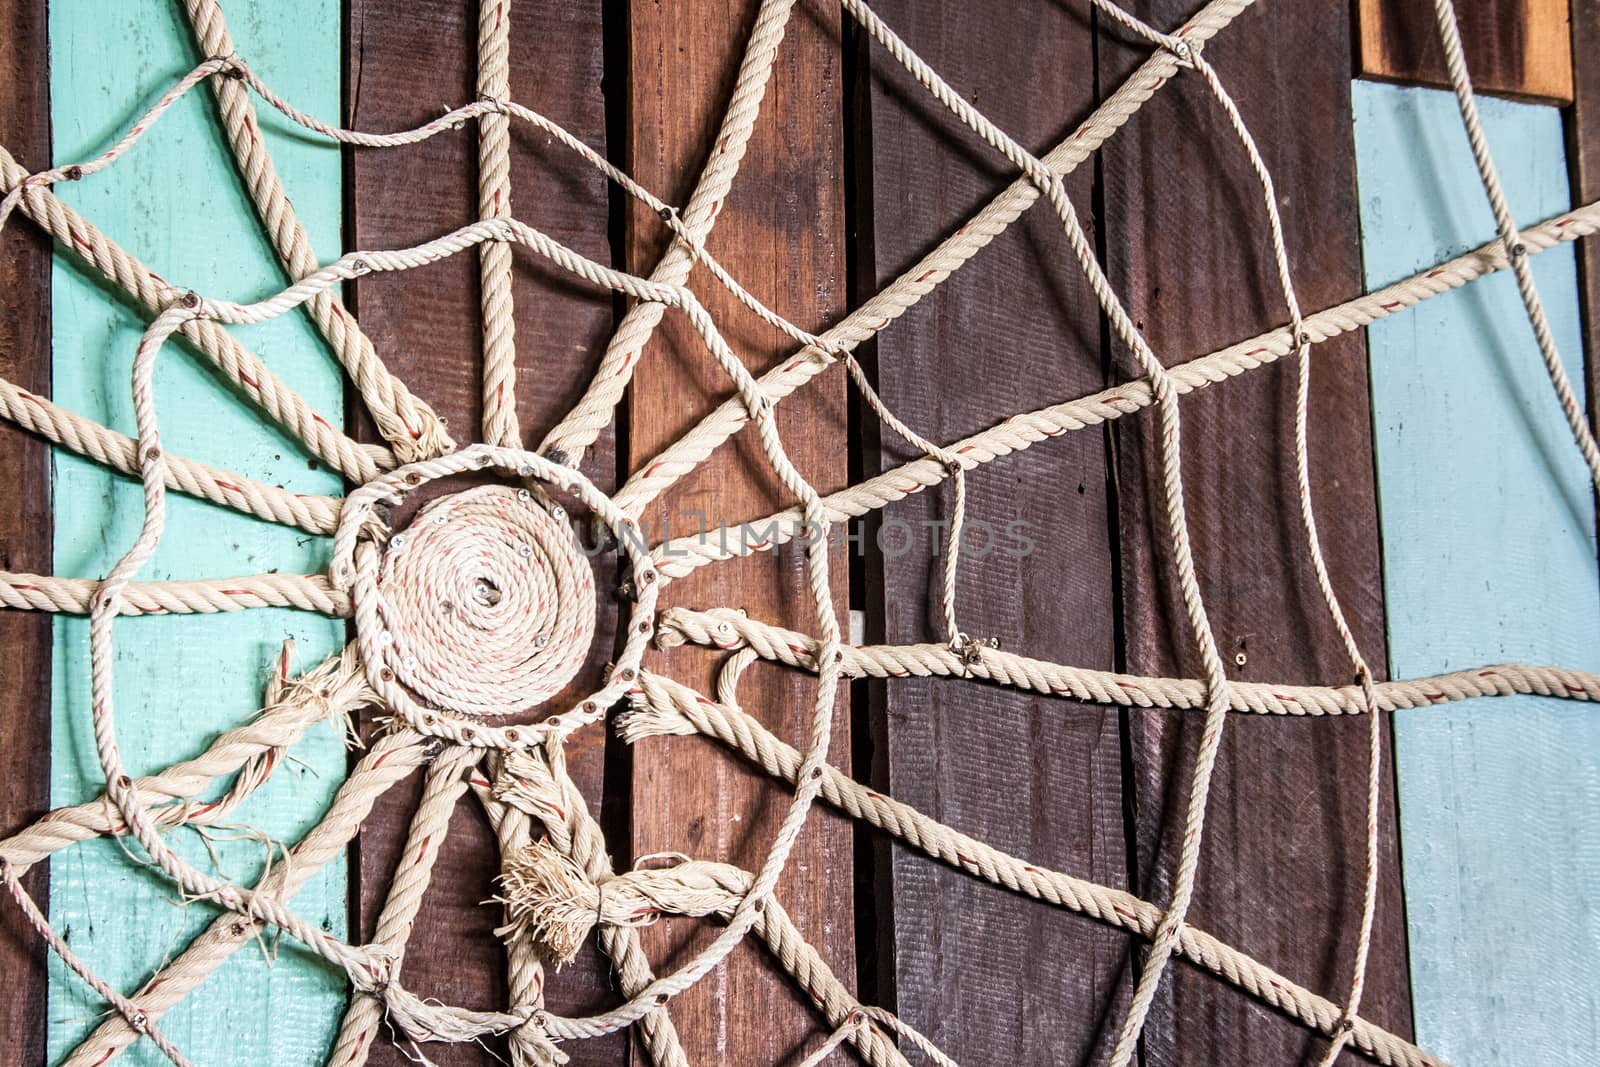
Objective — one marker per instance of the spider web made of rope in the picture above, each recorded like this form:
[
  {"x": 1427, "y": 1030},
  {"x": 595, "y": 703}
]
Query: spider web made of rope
[{"x": 560, "y": 887}]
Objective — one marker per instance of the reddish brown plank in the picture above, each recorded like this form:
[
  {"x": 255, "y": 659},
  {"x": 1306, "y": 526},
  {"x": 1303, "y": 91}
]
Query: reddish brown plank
[
  {"x": 25, "y": 520},
  {"x": 975, "y": 967},
  {"x": 781, "y": 233},
  {"x": 1583, "y": 156},
  {"x": 1186, "y": 244},
  {"x": 405, "y": 61},
  {"x": 1514, "y": 47}
]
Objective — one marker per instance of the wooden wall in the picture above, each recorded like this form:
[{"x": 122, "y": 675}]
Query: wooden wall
[
  {"x": 1488, "y": 520},
  {"x": 182, "y": 680},
  {"x": 1280, "y": 873},
  {"x": 854, "y": 172},
  {"x": 25, "y": 525},
  {"x": 1035, "y": 776}
]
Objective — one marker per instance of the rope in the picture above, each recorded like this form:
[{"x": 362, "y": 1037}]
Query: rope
[
  {"x": 407, "y": 423},
  {"x": 494, "y": 202},
  {"x": 663, "y": 707},
  {"x": 482, "y": 608}
]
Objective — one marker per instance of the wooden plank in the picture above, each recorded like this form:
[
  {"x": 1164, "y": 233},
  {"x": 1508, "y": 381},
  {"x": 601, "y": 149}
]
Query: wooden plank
[
  {"x": 1583, "y": 155},
  {"x": 1513, "y": 47},
  {"x": 972, "y": 965},
  {"x": 1489, "y": 555},
  {"x": 781, "y": 232},
  {"x": 25, "y": 523},
  {"x": 404, "y": 61},
  {"x": 1186, "y": 245},
  {"x": 181, "y": 680}
]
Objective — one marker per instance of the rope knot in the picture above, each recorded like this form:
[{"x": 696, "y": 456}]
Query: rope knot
[
  {"x": 549, "y": 900},
  {"x": 969, "y": 650}
]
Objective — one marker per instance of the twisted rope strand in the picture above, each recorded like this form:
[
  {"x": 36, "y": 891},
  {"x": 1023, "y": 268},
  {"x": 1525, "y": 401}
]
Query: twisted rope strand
[
  {"x": 729, "y": 629},
  {"x": 662, "y": 706},
  {"x": 692, "y": 449},
  {"x": 409, "y": 425},
  {"x": 238, "y": 364},
  {"x": 679, "y": 556},
  {"x": 206, "y": 596},
  {"x": 494, "y": 202}
]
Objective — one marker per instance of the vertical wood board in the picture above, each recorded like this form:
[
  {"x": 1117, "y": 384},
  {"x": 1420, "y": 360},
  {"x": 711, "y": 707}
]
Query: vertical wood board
[
  {"x": 405, "y": 61},
  {"x": 182, "y": 680},
  {"x": 781, "y": 233},
  {"x": 1186, "y": 238},
  {"x": 972, "y": 965},
  {"x": 1583, "y": 157},
  {"x": 25, "y": 522},
  {"x": 1513, "y": 47},
  {"x": 1489, "y": 556}
]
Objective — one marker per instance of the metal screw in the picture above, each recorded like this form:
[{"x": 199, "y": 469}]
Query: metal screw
[{"x": 524, "y": 550}]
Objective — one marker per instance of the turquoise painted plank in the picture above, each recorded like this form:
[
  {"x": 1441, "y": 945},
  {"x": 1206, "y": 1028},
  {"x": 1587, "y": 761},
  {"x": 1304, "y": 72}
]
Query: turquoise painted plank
[
  {"x": 1489, "y": 555},
  {"x": 176, "y": 202}
]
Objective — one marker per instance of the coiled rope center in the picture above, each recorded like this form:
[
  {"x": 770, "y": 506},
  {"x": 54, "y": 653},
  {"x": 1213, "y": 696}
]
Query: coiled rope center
[
  {"x": 484, "y": 605},
  {"x": 488, "y": 602}
]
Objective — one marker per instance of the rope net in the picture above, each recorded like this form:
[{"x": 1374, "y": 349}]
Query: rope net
[{"x": 484, "y": 604}]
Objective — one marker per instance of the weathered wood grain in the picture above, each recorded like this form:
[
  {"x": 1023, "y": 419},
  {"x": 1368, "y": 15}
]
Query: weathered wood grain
[
  {"x": 1583, "y": 156},
  {"x": 975, "y": 967},
  {"x": 25, "y": 521},
  {"x": 781, "y": 233},
  {"x": 1489, "y": 554},
  {"x": 405, "y": 61},
  {"x": 182, "y": 680},
  {"x": 1186, "y": 244},
  {"x": 1514, "y": 47}
]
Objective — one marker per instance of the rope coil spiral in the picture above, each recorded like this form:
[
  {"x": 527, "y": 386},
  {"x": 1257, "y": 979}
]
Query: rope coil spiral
[
  {"x": 485, "y": 604},
  {"x": 489, "y": 602}
]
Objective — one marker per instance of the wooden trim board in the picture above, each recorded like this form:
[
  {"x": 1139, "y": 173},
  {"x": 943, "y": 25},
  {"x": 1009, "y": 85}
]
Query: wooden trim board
[
  {"x": 182, "y": 680},
  {"x": 1489, "y": 554}
]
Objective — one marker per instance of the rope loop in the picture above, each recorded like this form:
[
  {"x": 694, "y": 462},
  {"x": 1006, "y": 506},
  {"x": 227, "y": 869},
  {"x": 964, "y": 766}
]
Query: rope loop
[{"x": 484, "y": 605}]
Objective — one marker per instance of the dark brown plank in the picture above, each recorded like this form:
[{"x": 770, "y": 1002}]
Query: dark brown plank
[
  {"x": 1513, "y": 47},
  {"x": 1186, "y": 244},
  {"x": 405, "y": 60},
  {"x": 782, "y": 234},
  {"x": 1583, "y": 156},
  {"x": 976, "y": 967},
  {"x": 25, "y": 521}
]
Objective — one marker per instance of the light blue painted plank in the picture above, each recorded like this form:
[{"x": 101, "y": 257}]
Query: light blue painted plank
[
  {"x": 176, "y": 202},
  {"x": 1489, "y": 555}
]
